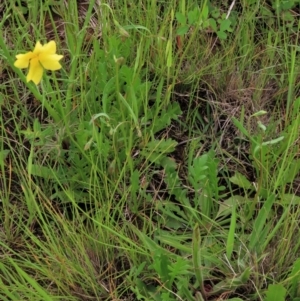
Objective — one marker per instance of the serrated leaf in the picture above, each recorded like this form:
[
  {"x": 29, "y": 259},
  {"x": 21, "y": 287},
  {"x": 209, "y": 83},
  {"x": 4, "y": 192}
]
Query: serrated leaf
[
  {"x": 169, "y": 163},
  {"x": 162, "y": 146},
  {"x": 43, "y": 172},
  {"x": 155, "y": 151},
  {"x": 166, "y": 116}
]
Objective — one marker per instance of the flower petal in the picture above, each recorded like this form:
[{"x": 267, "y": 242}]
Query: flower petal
[
  {"x": 35, "y": 71},
  {"x": 23, "y": 60},
  {"x": 49, "y": 48},
  {"x": 38, "y": 48},
  {"x": 50, "y": 62}
]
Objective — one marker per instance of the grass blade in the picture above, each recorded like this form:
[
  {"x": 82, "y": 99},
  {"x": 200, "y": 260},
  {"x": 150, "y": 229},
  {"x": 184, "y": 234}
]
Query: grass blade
[{"x": 197, "y": 260}]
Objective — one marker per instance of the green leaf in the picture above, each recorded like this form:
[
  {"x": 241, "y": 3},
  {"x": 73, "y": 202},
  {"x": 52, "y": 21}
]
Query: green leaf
[
  {"x": 225, "y": 207},
  {"x": 162, "y": 146},
  {"x": 273, "y": 141},
  {"x": 275, "y": 292},
  {"x": 213, "y": 24},
  {"x": 156, "y": 150},
  {"x": 261, "y": 125},
  {"x": 222, "y": 35},
  {"x": 205, "y": 12},
  {"x": 44, "y": 172},
  {"x": 134, "y": 180},
  {"x": 197, "y": 171},
  {"x": 284, "y": 4},
  {"x": 289, "y": 199},
  {"x": 231, "y": 234},
  {"x": 245, "y": 275},
  {"x": 168, "y": 163},
  {"x": 295, "y": 279},
  {"x": 215, "y": 13},
  {"x": 179, "y": 268},
  {"x": 259, "y": 224},
  {"x": 241, "y": 181},
  {"x": 196, "y": 247},
  {"x": 172, "y": 213},
  {"x": 225, "y": 25},
  {"x": 3, "y": 154},
  {"x": 173, "y": 223},
  {"x": 290, "y": 172},
  {"x": 259, "y": 113},
  {"x": 136, "y": 27},
  {"x": 193, "y": 16},
  {"x": 160, "y": 264},
  {"x": 243, "y": 130},
  {"x": 180, "y": 17},
  {"x": 177, "y": 241},
  {"x": 129, "y": 108},
  {"x": 165, "y": 117},
  {"x": 199, "y": 297},
  {"x": 182, "y": 30}
]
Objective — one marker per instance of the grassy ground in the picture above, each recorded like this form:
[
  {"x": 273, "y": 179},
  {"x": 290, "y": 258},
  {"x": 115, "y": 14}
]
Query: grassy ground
[{"x": 161, "y": 162}]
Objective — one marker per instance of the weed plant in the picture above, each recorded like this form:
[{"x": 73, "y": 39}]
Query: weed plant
[{"x": 161, "y": 162}]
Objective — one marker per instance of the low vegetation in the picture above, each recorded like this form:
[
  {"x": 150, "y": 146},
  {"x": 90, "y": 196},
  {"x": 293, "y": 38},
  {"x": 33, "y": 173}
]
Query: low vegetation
[{"x": 161, "y": 162}]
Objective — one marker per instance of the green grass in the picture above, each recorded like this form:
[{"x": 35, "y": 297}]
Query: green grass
[{"x": 161, "y": 162}]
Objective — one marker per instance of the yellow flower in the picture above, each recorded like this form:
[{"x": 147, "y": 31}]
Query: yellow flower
[{"x": 42, "y": 57}]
